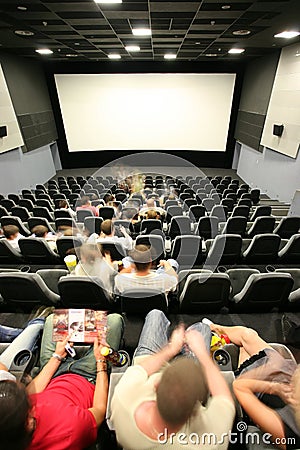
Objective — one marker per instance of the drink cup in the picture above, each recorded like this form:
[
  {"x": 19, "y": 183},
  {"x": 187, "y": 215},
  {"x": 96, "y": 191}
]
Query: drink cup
[{"x": 70, "y": 262}]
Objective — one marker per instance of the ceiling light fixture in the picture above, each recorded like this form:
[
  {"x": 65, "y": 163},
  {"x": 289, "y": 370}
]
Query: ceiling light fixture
[
  {"x": 132, "y": 48},
  {"x": 22, "y": 8},
  {"x": 44, "y": 51},
  {"x": 114, "y": 56},
  {"x": 170, "y": 56},
  {"x": 24, "y": 33},
  {"x": 211, "y": 55},
  {"x": 141, "y": 31},
  {"x": 241, "y": 32},
  {"x": 236, "y": 51},
  {"x": 108, "y": 1},
  {"x": 287, "y": 34},
  {"x": 225, "y": 6},
  {"x": 71, "y": 55}
]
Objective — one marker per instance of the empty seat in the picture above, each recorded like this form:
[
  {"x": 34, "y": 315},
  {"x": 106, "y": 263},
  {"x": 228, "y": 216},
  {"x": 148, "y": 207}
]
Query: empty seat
[
  {"x": 3, "y": 212},
  {"x": 51, "y": 277},
  {"x": 196, "y": 212},
  {"x": 261, "y": 211},
  {"x": 241, "y": 210},
  {"x": 173, "y": 211},
  {"x": 255, "y": 196},
  {"x": 235, "y": 225},
  {"x": 220, "y": 211},
  {"x": 83, "y": 292},
  {"x": 263, "y": 249},
  {"x": 21, "y": 212},
  {"x": 245, "y": 201},
  {"x": 106, "y": 212},
  {"x": 149, "y": 225},
  {"x": 14, "y": 197},
  {"x": 81, "y": 214},
  {"x": 208, "y": 204},
  {"x": 295, "y": 273},
  {"x": 171, "y": 203},
  {"x": 187, "y": 250},
  {"x": 8, "y": 255},
  {"x": 42, "y": 211},
  {"x": 66, "y": 243},
  {"x": 229, "y": 203},
  {"x": 44, "y": 203},
  {"x": 263, "y": 292},
  {"x": 25, "y": 291},
  {"x": 288, "y": 226},
  {"x": 238, "y": 278},
  {"x": 7, "y": 204},
  {"x": 179, "y": 226},
  {"x": 93, "y": 224},
  {"x": 26, "y": 203},
  {"x": 37, "y": 251},
  {"x": 61, "y": 213},
  {"x": 226, "y": 249},
  {"x": 207, "y": 227},
  {"x": 204, "y": 292},
  {"x": 263, "y": 224},
  {"x": 290, "y": 253}
]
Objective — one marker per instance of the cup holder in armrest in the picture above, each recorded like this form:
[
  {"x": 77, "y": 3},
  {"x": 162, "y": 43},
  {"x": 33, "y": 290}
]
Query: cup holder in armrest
[
  {"x": 223, "y": 359},
  {"x": 222, "y": 269},
  {"x": 22, "y": 363},
  {"x": 270, "y": 268}
]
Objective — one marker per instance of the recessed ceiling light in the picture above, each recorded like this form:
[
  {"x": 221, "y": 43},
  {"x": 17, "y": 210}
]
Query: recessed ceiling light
[
  {"x": 197, "y": 43},
  {"x": 24, "y": 33},
  {"x": 108, "y": 1},
  {"x": 132, "y": 48},
  {"x": 241, "y": 32},
  {"x": 211, "y": 54},
  {"x": 141, "y": 31},
  {"x": 71, "y": 55},
  {"x": 44, "y": 51},
  {"x": 225, "y": 6},
  {"x": 22, "y": 8},
  {"x": 114, "y": 56},
  {"x": 287, "y": 34},
  {"x": 170, "y": 56},
  {"x": 236, "y": 51}
]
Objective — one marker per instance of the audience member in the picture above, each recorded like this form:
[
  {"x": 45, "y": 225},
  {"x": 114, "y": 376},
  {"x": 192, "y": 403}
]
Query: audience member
[
  {"x": 139, "y": 275},
  {"x": 40, "y": 231},
  {"x": 264, "y": 371},
  {"x": 65, "y": 404},
  {"x": 151, "y": 204},
  {"x": 12, "y": 235},
  {"x": 84, "y": 203},
  {"x": 64, "y": 205},
  {"x": 107, "y": 234},
  {"x": 159, "y": 405},
  {"x": 93, "y": 264}
]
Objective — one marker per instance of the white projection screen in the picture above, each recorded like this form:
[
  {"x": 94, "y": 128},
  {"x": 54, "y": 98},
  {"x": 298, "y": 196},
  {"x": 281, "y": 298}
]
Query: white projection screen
[{"x": 146, "y": 111}]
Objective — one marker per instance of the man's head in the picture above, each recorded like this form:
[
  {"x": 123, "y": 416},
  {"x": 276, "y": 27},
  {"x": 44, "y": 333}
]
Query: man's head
[
  {"x": 142, "y": 258},
  {"x": 107, "y": 227},
  {"x": 85, "y": 200},
  {"x": 150, "y": 203},
  {"x": 182, "y": 386},
  {"x": 15, "y": 426},
  {"x": 10, "y": 231},
  {"x": 40, "y": 231}
]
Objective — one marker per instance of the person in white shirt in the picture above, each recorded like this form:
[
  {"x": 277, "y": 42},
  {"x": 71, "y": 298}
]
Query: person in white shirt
[
  {"x": 40, "y": 231},
  {"x": 12, "y": 235},
  {"x": 108, "y": 235}
]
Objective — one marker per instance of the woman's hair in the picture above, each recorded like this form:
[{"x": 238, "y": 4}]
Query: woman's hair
[
  {"x": 63, "y": 204},
  {"x": 14, "y": 407}
]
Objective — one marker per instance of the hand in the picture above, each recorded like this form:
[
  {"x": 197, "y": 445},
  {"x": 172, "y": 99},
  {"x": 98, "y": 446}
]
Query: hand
[
  {"x": 195, "y": 341},
  {"x": 284, "y": 391},
  {"x": 177, "y": 339},
  {"x": 60, "y": 347},
  {"x": 99, "y": 343}
]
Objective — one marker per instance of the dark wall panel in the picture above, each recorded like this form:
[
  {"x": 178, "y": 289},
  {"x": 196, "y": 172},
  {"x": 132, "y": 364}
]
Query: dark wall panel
[
  {"x": 256, "y": 91},
  {"x": 28, "y": 89},
  {"x": 94, "y": 159}
]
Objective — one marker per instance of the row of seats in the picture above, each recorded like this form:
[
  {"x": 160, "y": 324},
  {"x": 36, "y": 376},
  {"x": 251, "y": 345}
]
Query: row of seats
[{"x": 199, "y": 291}]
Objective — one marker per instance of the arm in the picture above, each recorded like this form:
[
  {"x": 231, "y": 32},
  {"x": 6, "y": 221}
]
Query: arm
[
  {"x": 101, "y": 389},
  {"x": 153, "y": 363},
  {"x": 265, "y": 418},
  {"x": 168, "y": 268},
  {"x": 41, "y": 381},
  {"x": 216, "y": 382}
]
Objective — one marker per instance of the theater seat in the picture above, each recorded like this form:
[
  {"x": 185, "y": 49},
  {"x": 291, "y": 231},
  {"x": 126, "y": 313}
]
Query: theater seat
[
  {"x": 290, "y": 253},
  {"x": 140, "y": 302},
  {"x": 262, "y": 224},
  {"x": 225, "y": 249},
  {"x": 263, "y": 249},
  {"x": 83, "y": 292},
  {"x": 37, "y": 251}
]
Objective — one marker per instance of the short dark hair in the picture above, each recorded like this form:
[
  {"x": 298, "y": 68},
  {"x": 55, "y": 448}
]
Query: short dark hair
[
  {"x": 10, "y": 230},
  {"x": 15, "y": 408},
  {"x": 84, "y": 200},
  {"x": 182, "y": 385},
  {"x": 63, "y": 204}
]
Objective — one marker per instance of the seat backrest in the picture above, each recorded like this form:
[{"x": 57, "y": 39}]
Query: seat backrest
[
  {"x": 37, "y": 251},
  {"x": 83, "y": 292},
  {"x": 226, "y": 249},
  {"x": 81, "y": 214},
  {"x": 106, "y": 212},
  {"x": 7, "y": 204},
  {"x": 263, "y": 292},
  {"x": 66, "y": 243},
  {"x": 196, "y": 211},
  {"x": 295, "y": 273},
  {"x": 42, "y": 211},
  {"x": 288, "y": 226},
  {"x": 148, "y": 225},
  {"x": 220, "y": 211},
  {"x": 203, "y": 293},
  {"x": 26, "y": 290},
  {"x": 140, "y": 302},
  {"x": 21, "y": 212},
  {"x": 184, "y": 273},
  {"x": 8, "y": 255},
  {"x": 15, "y": 220},
  {"x": 263, "y": 249},
  {"x": 173, "y": 211},
  {"x": 290, "y": 253},
  {"x": 155, "y": 243},
  {"x": 262, "y": 224},
  {"x": 187, "y": 250},
  {"x": 179, "y": 225},
  {"x": 238, "y": 278},
  {"x": 208, "y": 204},
  {"x": 207, "y": 227},
  {"x": 236, "y": 225},
  {"x": 264, "y": 210},
  {"x": 33, "y": 221},
  {"x": 3, "y": 212},
  {"x": 241, "y": 210}
]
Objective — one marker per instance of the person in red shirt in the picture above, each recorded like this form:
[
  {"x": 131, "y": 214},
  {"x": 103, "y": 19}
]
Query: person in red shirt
[
  {"x": 84, "y": 203},
  {"x": 65, "y": 403}
]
